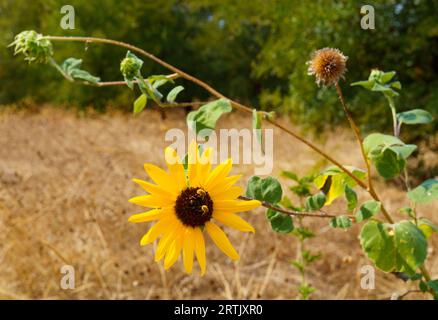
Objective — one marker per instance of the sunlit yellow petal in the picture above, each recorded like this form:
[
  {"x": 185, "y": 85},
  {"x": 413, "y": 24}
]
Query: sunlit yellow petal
[
  {"x": 192, "y": 166},
  {"x": 147, "y": 216},
  {"x": 234, "y": 221},
  {"x": 223, "y": 185},
  {"x": 152, "y": 201},
  {"x": 228, "y": 194},
  {"x": 161, "y": 177},
  {"x": 163, "y": 246},
  {"x": 173, "y": 252},
  {"x": 204, "y": 166},
  {"x": 156, "y": 190},
  {"x": 166, "y": 240},
  {"x": 200, "y": 249},
  {"x": 221, "y": 240},
  {"x": 188, "y": 250},
  {"x": 156, "y": 230},
  {"x": 176, "y": 168},
  {"x": 235, "y": 205},
  {"x": 218, "y": 174}
]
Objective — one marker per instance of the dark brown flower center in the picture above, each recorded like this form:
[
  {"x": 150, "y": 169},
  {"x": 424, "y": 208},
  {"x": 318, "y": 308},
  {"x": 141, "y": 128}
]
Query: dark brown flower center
[{"x": 194, "y": 207}]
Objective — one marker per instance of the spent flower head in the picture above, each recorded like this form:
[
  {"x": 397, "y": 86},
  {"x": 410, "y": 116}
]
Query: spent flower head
[
  {"x": 33, "y": 45},
  {"x": 328, "y": 65}
]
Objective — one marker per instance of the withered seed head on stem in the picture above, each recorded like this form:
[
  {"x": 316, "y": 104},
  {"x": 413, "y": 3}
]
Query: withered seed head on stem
[{"x": 328, "y": 65}]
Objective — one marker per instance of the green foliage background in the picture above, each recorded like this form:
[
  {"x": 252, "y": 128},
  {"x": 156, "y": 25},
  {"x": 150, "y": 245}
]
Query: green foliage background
[{"x": 253, "y": 51}]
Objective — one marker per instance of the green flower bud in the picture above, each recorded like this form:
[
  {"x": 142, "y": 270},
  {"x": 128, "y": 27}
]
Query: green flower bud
[
  {"x": 33, "y": 46},
  {"x": 130, "y": 66}
]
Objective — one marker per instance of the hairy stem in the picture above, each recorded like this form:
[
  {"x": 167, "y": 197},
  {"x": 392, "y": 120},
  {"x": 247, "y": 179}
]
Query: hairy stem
[{"x": 359, "y": 139}]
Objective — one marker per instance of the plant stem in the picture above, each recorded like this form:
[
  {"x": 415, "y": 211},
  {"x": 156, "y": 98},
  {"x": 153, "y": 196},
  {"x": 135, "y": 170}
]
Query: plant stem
[
  {"x": 295, "y": 213},
  {"x": 395, "y": 125},
  {"x": 210, "y": 89},
  {"x": 359, "y": 139},
  {"x": 53, "y": 63}
]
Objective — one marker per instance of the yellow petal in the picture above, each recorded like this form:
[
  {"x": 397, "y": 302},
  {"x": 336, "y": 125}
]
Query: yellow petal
[
  {"x": 223, "y": 185},
  {"x": 192, "y": 160},
  {"x": 147, "y": 216},
  {"x": 218, "y": 174},
  {"x": 173, "y": 252},
  {"x": 161, "y": 177},
  {"x": 221, "y": 240},
  {"x": 235, "y": 205},
  {"x": 152, "y": 201},
  {"x": 188, "y": 250},
  {"x": 200, "y": 249},
  {"x": 204, "y": 166},
  {"x": 156, "y": 230},
  {"x": 166, "y": 240},
  {"x": 176, "y": 168},
  {"x": 234, "y": 221},
  {"x": 163, "y": 246},
  {"x": 228, "y": 194},
  {"x": 155, "y": 189}
]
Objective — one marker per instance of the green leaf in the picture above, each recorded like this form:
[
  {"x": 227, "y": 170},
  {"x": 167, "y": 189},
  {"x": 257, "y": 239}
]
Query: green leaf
[
  {"x": 289, "y": 174},
  {"x": 367, "y": 84},
  {"x": 400, "y": 247},
  {"x": 308, "y": 257},
  {"x": 297, "y": 264},
  {"x": 425, "y": 192},
  {"x": 268, "y": 189},
  {"x": 160, "y": 78},
  {"x": 280, "y": 222},
  {"x": 147, "y": 89},
  {"x": 140, "y": 103},
  {"x": 427, "y": 227},
  {"x": 388, "y": 164},
  {"x": 303, "y": 233},
  {"x": 380, "y": 81},
  {"x": 305, "y": 291},
  {"x": 351, "y": 197},
  {"x": 171, "y": 96},
  {"x": 71, "y": 67},
  {"x": 377, "y": 142},
  {"x": 367, "y": 210},
  {"x": 423, "y": 286},
  {"x": 396, "y": 85},
  {"x": 433, "y": 284},
  {"x": 387, "y": 153},
  {"x": 315, "y": 202},
  {"x": 387, "y": 76},
  {"x": 415, "y": 116},
  {"x": 342, "y": 222},
  {"x": 207, "y": 115}
]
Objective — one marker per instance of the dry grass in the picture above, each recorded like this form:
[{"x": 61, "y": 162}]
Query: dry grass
[{"x": 64, "y": 185}]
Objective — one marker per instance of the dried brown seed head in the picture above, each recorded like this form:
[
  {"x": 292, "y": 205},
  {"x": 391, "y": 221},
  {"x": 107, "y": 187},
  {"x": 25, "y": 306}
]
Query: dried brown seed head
[{"x": 328, "y": 65}]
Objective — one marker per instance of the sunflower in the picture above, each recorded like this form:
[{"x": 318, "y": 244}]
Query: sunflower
[{"x": 187, "y": 203}]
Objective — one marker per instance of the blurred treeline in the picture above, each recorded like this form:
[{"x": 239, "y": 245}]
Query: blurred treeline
[{"x": 254, "y": 51}]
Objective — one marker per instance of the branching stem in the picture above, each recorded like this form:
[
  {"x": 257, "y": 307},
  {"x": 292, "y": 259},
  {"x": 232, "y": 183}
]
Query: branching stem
[{"x": 359, "y": 139}]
